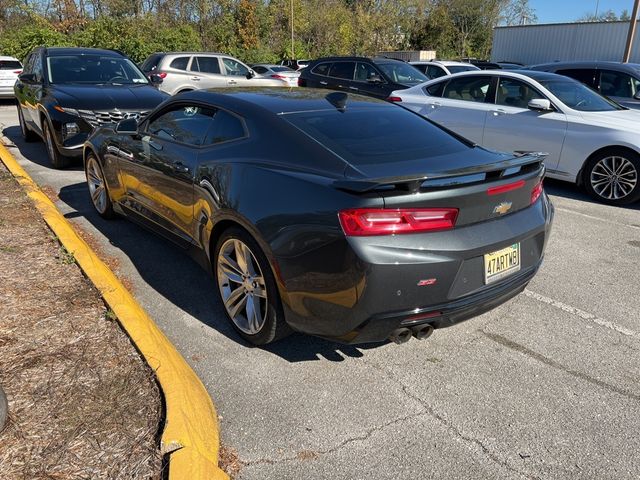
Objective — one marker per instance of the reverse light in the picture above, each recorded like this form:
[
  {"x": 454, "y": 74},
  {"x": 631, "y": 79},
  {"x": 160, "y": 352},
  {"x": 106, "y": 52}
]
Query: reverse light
[
  {"x": 362, "y": 222},
  {"x": 394, "y": 99},
  {"x": 536, "y": 192},
  {"x": 505, "y": 188}
]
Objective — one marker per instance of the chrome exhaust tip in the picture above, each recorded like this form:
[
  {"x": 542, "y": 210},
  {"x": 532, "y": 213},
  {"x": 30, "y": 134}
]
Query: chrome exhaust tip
[
  {"x": 400, "y": 335},
  {"x": 422, "y": 332}
]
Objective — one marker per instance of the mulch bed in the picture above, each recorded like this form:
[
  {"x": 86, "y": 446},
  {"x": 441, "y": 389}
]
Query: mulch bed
[{"x": 82, "y": 402}]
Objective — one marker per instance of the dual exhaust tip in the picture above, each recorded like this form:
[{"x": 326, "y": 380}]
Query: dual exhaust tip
[{"x": 402, "y": 335}]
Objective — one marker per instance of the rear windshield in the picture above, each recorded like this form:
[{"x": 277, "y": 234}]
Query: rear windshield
[
  {"x": 461, "y": 68},
  {"x": 151, "y": 63},
  {"x": 403, "y": 73},
  {"x": 282, "y": 69},
  {"x": 376, "y": 135},
  {"x": 10, "y": 65}
]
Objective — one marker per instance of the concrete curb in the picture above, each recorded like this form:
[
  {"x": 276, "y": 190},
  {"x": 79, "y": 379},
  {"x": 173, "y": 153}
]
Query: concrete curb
[{"x": 190, "y": 434}]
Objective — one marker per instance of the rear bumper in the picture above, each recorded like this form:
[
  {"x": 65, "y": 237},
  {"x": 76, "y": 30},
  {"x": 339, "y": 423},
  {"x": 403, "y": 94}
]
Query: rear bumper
[{"x": 7, "y": 91}]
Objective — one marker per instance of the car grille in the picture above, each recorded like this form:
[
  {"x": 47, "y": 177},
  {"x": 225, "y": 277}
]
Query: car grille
[{"x": 98, "y": 118}]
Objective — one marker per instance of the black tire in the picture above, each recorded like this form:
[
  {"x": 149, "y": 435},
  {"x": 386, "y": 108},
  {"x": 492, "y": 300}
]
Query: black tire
[
  {"x": 274, "y": 326},
  {"x": 98, "y": 186},
  {"x": 622, "y": 186},
  {"x": 27, "y": 134},
  {"x": 57, "y": 160}
]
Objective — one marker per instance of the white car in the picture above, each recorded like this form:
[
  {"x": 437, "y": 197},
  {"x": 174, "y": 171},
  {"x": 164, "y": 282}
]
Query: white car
[
  {"x": 10, "y": 68},
  {"x": 440, "y": 68},
  {"x": 279, "y": 72},
  {"x": 590, "y": 140}
]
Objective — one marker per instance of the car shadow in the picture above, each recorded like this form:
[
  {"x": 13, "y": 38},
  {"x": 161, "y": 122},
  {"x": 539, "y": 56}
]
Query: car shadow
[
  {"x": 172, "y": 273},
  {"x": 574, "y": 192}
]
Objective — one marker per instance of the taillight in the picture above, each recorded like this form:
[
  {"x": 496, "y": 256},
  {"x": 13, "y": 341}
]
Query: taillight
[
  {"x": 536, "y": 192},
  {"x": 505, "y": 188},
  {"x": 160, "y": 74},
  {"x": 281, "y": 77},
  {"x": 394, "y": 99},
  {"x": 301, "y": 82},
  {"x": 17, "y": 72},
  {"x": 361, "y": 222}
]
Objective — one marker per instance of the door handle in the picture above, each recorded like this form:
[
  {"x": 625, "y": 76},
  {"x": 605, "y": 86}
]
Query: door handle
[
  {"x": 195, "y": 79},
  {"x": 232, "y": 82},
  {"x": 353, "y": 88},
  {"x": 498, "y": 112},
  {"x": 323, "y": 83},
  {"x": 180, "y": 167},
  {"x": 436, "y": 105}
]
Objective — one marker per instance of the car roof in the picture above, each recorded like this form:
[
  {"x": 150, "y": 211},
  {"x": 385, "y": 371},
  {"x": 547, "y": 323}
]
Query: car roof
[
  {"x": 359, "y": 59},
  {"x": 53, "y": 51},
  {"x": 446, "y": 63},
  {"x": 192, "y": 53},
  {"x": 591, "y": 64},
  {"x": 8, "y": 59},
  {"x": 532, "y": 74},
  {"x": 277, "y": 100}
]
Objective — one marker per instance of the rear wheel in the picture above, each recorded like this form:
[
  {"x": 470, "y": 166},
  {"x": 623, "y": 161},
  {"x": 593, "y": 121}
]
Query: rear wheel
[
  {"x": 248, "y": 289},
  {"x": 612, "y": 177},
  {"x": 57, "y": 160},
  {"x": 98, "y": 188},
  {"x": 27, "y": 135}
]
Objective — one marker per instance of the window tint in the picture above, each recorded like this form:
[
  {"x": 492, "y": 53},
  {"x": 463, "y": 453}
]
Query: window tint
[
  {"x": 282, "y": 69},
  {"x": 471, "y": 89},
  {"x": 422, "y": 68},
  {"x": 322, "y": 69},
  {"x": 342, "y": 70},
  {"x": 435, "y": 90},
  {"x": 28, "y": 64},
  {"x": 461, "y": 68},
  {"x": 584, "y": 75},
  {"x": 225, "y": 127},
  {"x": 376, "y": 135},
  {"x": 205, "y": 64},
  {"x": 404, "y": 73},
  {"x": 151, "y": 63},
  {"x": 184, "y": 124},
  {"x": 10, "y": 65},
  {"x": 514, "y": 93},
  {"x": 180, "y": 63},
  {"x": 618, "y": 84},
  {"x": 92, "y": 70},
  {"x": 435, "y": 72},
  {"x": 235, "y": 68},
  {"x": 37, "y": 67},
  {"x": 259, "y": 69},
  {"x": 365, "y": 72},
  {"x": 579, "y": 97}
]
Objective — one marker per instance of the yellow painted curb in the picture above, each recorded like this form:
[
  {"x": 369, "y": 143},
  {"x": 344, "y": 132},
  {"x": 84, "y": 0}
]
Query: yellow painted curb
[{"x": 190, "y": 433}]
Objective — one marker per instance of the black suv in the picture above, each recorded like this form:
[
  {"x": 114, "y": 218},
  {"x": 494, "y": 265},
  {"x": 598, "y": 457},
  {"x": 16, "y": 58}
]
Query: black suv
[
  {"x": 64, "y": 93},
  {"x": 376, "y": 77}
]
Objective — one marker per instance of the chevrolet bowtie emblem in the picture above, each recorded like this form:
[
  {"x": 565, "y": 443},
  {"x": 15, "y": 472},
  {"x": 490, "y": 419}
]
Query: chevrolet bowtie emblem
[{"x": 502, "y": 208}]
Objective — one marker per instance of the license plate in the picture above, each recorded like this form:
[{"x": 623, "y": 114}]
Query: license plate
[{"x": 501, "y": 263}]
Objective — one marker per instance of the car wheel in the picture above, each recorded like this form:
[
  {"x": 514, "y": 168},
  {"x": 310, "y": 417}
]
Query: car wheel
[
  {"x": 98, "y": 188},
  {"x": 56, "y": 159},
  {"x": 612, "y": 177},
  {"x": 27, "y": 135},
  {"x": 248, "y": 289}
]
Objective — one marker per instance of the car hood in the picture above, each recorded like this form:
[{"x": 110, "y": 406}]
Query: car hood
[
  {"x": 108, "y": 97},
  {"x": 620, "y": 119}
]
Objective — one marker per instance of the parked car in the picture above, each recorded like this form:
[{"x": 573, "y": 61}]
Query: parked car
[
  {"x": 296, "y": 64},
  {"x": 510, "y": 66},
  {"x": 618, "y": 81},
  {"x": 440, "y": 68},
  {"x": 279, "y": 72},
  {"x": 64, "y": 93},
  {"x": 589, "y": 139},
  {"x": 482, "y": 64},
  {"x": 383, "y": 224},
  {"x": 184, "y": 71},
  {"x": 10, "y": 68},
  {"x": 376, "y": 77}
]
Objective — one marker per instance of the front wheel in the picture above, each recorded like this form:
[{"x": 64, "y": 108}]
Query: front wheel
[
  {"x": 98, "y": 188},
  {"x": 248, "y": 289},
  {"x": 56, "y": 159},
  {"x": 27, "y": 134},
  {"x": 612, "y": 177}
]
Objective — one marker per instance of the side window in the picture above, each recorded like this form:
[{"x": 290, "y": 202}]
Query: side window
[
  {"x": 342, "y": 70},
  {"x": 206, "y": 64},
  {"x": 435, "y": 72},
  {"x": 422, "y": 68},
  {"x": 618, "y": 84},
  {"x": 37, "y": 66},
  {"x": 514, "y": 93},
  {"x": 435, "y": 90},
  {"x": 184, "y": 124},
  {"x": 225, "y": 127},
  {"x": 179, "y": 63},
  {"x": 28, "y": 64},
  {"x": 471, "y": 89},
  {"x": 259, "y": 69},
  {"x": 151, "y": 63},
  {"x": 584, "y": 75},
  {"x": 234, "y": 68},
  {"x": 322, "y": 69},
  {"x": 365, "y": 72}
]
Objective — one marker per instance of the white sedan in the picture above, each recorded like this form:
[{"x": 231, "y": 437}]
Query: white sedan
[
  {"x": 10, "y": 68},
  {"x": 590, "y": 140}
]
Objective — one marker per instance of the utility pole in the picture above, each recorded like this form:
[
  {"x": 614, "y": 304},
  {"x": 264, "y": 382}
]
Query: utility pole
[
  {"x": 632, "y": 31},
  {"x": 293, "y": 53},
  {"x": 597, "y": 6}
]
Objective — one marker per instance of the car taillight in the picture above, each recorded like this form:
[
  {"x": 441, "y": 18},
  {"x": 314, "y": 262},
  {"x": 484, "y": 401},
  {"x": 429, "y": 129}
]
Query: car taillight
[
  {"x": 281, "y": 77},
  {"x": 160, "y": 74},
  {"x": 17, "y": 72},
  {"x": 505, "y": 188},
  {"x": 300, "y": 82},
  {"x": 394, "y": 99},
  {"x": 362, "y": 222},
  {"x": 536, "y": 192}
]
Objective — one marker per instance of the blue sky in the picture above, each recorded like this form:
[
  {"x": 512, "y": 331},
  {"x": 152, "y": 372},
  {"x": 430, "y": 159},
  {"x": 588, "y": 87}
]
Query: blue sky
[{"x": 550, "y": 11}]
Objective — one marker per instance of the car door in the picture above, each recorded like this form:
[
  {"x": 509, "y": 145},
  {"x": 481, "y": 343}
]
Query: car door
[
  {"x": 341, "y": 76},
  {"x": 236, "y": 73},
  {"x": 368, "y": 81},
  {"x": 157, "y": 168},
  {"x": 207, "y": 72},
  {"x": 620, "y": 87},
  {"x": 512, "y": 126},
  {"x": 463, "y": 105}
]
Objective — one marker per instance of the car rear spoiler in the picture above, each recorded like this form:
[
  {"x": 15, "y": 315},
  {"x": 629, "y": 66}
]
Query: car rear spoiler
[{"x": 412, "y": 183}]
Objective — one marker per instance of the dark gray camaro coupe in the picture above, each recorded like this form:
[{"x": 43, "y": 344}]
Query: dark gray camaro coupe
[{"x": 331, "y": 214}]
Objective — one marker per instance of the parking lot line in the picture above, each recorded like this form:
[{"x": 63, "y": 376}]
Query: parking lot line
[{"x": 593, "y": 217}]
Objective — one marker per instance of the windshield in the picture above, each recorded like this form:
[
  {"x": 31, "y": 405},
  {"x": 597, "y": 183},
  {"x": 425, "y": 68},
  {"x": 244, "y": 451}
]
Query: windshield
[
  {"x": 579, "y": 97},
  {"x": 402, "y": 73},
  {"x": 93, "y": 70},
  {"x": 461, "y": 68}
]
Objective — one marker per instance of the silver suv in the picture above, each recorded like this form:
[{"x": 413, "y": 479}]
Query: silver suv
[{"x": 184, "y": 71}]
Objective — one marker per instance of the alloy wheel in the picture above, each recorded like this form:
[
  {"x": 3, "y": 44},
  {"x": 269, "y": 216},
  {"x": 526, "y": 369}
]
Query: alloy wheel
[
  {"x": 242, "y": 286},
  {"x": 97, "y": 189},
  {"x": 614, "y": 177},
  {"x": 51, "y": 149}
]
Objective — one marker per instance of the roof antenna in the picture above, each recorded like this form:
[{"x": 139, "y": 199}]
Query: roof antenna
[{"x": 338, "y": 100}]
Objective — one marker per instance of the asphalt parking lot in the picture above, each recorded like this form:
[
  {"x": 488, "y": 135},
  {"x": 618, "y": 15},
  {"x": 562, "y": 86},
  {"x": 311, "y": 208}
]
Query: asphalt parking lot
[{"x": 545, "y": 386}]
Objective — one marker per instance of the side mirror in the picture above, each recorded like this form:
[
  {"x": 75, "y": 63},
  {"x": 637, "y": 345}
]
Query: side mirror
[
  {"x": 540, "y": 105},
  {"x": 250, "y": 74},
  {"x": 155, "y": 79},
  {"x": 28, "y": 78},
  {"x": 128, "y": 126}
]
